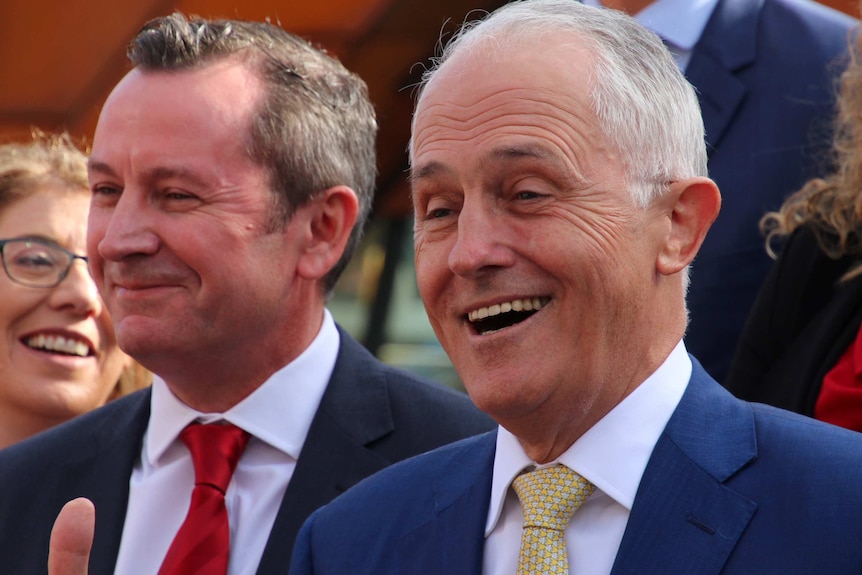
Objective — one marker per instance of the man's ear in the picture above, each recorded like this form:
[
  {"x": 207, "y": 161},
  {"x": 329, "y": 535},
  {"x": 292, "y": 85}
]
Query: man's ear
[
  {"x": 693, "y": 205},
  {"x": 329, "y": 218}
]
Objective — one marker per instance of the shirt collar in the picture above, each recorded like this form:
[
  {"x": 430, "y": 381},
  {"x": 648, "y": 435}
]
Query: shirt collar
[
  {"x": 614, "y": 453},
  {"x": 279, "y": 412},
  {"x": 679, "y": 22}
]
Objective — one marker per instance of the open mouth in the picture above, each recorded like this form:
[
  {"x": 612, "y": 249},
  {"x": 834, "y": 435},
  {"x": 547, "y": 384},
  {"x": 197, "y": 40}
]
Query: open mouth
[
  {"x": 491, "y": 319},
  {"x": 59, "y": 345}
]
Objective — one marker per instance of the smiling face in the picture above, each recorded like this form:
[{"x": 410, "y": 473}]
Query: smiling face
[
  {"x": 58, "y": 355},
  {"x": 537, "y": 270},
  {"x": 180, "y": 236}
]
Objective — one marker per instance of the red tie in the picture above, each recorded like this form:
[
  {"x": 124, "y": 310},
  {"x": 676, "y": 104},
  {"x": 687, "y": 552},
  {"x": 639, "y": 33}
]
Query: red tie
[{"x": 202, "y": 544}]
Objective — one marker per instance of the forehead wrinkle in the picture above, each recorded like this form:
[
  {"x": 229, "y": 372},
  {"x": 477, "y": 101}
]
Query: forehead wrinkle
[
  {"x": 509, "y": 116},
  {"x": 543, "y": 117},
  {"x": 550, "y": 100}
]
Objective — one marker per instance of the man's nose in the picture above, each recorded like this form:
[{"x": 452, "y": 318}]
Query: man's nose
[
  {"x": 125, "y": 229},
  {"x": 480, "y": 242}
]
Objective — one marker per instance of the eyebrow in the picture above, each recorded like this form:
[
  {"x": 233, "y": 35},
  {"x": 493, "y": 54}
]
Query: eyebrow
[
  {"x": 100, "y": 167},
  {"x": 427, "y": 171},
  {"x": 568, "y": 174},
  {"x": 155, "y": 174},
  {"x": 521, "y": 151}
]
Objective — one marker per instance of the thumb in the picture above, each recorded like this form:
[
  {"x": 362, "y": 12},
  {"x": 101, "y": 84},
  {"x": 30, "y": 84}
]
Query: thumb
[{"x": 72, "y": 538}]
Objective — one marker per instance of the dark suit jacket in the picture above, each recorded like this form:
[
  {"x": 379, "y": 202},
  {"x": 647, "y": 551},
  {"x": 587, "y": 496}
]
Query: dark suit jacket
[
  {"x": 805, "y": 318},
  {"x": 371, "y": 415},
  {"x": 764, "y": 71},
  {"x": 731, "y": 487}
]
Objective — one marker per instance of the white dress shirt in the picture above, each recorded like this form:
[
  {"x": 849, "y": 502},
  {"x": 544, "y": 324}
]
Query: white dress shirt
[
  {"x": 680, "y": 23},
  {"x": 612, "y": 454},
  {"x": 277, "y": 415}
]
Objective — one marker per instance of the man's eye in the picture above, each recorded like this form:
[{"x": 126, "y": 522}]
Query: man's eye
[
  {"x": 439, "y": 213},
  {"x": 527, "y": 195},
  {"x": 106, "y": 190}
]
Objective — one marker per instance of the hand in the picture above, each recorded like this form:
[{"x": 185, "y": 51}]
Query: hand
[{"x": 72, "y": 538}]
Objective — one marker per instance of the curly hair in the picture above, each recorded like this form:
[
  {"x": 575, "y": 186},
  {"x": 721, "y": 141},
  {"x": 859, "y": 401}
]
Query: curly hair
[{"x": 832, "y": 205}]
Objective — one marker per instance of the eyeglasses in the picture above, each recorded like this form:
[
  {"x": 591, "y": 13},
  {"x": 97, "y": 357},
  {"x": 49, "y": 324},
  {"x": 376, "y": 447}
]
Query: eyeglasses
[{"x": 35, "y": 262}]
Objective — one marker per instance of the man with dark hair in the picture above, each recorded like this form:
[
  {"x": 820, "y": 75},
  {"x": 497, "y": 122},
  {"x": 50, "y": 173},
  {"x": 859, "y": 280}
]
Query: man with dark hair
[{"x": 231, "y": 173}]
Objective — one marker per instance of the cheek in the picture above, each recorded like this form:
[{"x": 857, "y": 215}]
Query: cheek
[
  {"x": 97, "y": 222},
  {"x": 430, "y": 278},
  {"x": 427, "y": 289},
  {"x": 94, "y": 261},
  {"x": 106, "y": 330},
  {"x": 16, "y": 303},
  {"x": 111, "y": 368},
  {"x": 425, "y": 263}
]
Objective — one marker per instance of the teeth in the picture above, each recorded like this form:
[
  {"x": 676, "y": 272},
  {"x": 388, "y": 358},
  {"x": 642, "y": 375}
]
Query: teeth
[
  {"x": 60, "y": 344},
  {"x": 525, "y": 304}
]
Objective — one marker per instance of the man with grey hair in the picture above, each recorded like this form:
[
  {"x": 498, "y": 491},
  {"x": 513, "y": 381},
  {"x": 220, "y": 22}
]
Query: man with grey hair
[{"x": 560, "y": 193}]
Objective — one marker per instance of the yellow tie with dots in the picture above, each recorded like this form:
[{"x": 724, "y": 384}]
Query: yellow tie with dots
[{"x": 549, "y": 498}]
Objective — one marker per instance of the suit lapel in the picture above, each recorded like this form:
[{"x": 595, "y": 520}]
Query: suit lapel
[
  {"x": 353, "y": 412},
  {"x": 684, "y": 519},
  {"x": 108, "y": 454},
  {"x": 728, "y": 44},
  {"x": 451, "y": 537}
]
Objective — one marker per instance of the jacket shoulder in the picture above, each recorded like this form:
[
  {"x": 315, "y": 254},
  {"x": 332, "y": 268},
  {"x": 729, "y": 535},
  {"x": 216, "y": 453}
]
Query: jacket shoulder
[{"x": 75, "y": 439}]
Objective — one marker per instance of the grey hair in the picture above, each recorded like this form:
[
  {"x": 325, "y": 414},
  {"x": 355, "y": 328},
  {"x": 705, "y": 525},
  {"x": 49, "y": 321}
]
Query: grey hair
[{"x": 645, "y": 107}]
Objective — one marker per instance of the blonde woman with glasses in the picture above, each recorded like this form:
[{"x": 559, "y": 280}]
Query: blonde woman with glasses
[{"x": 58, "y": 354}]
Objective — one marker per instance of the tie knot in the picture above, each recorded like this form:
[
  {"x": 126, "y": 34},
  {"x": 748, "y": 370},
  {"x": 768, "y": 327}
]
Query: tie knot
[
  {"x": 551, "y": 495},
  {"x": 215, "y": 449}
]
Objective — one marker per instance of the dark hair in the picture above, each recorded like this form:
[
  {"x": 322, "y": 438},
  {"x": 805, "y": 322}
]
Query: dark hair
[{"x": 316, "y": 126}]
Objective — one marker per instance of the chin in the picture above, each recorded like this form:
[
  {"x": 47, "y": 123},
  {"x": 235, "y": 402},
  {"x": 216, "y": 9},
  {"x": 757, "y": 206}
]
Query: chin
[{"x": 499, "y": 399}]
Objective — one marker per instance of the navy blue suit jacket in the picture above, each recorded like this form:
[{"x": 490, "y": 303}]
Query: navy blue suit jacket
[
  {"x": 764, "y": 71},
  {"x": 731, "y": 487},
  {"x": 371, "y": 415}
]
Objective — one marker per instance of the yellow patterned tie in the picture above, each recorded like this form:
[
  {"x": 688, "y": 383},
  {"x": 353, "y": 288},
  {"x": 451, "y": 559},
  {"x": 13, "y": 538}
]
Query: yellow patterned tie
[{"x": 549, "y": 498}]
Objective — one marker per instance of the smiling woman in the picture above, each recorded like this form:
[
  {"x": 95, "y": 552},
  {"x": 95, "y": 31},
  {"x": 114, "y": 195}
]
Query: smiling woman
[{"x": 58, "y": 354}]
